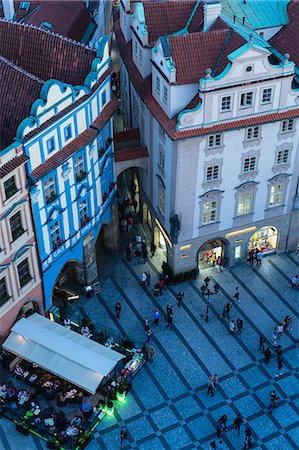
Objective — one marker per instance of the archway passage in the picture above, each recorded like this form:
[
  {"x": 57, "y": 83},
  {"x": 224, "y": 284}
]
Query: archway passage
[
  {"x": 210, "y": 251},
  {"x": 28, "y": 309},
  {"x": 69, "y": 283},
  {"x": 264, "y": 240}
]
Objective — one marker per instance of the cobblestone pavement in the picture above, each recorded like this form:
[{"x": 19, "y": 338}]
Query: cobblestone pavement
[{"x": 168, "y": 407}]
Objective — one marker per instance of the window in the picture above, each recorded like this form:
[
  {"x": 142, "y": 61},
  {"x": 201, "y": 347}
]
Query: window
[
  {"x": 135, "y": 48},
  {"x": 56, "y": 240},
  {"x": 244, "y": 203},
  {"x": 24, "y": 5},
  {"x": 287, "y": 125},
  {"x": 226, "y": 103},
  {"x": 79, "y": 168},
  {"x": 3, "y": 292},
  {"x": 10, "y": 187},
  {"x": 249, "y": 164},
  {"x": 83, "y": 212},
  {"x": 246, "y": 99},
  {"x": 16, "y": 226},
  {"x": 161, "y": 197},
  {"x": 212, "y": 173},
  {"x": 51, "y": 145},
  {"x": 283, "y": 156},
  {"x": 162, "y": 158},
  {"x": 214, "y": 140},
  {"x": 276, "y": 195},
  {"x": 267, "y": 95},
  {"x": 68, "y": 132},
  {"x": 209, "y": 212},
  {"x": 158, "y": 85},
  {"x": 252, "y": 133},
  {"x": 104, "y": 98},
  {"x": 49, "y": 190},
  {"x": 23, "y": 272},
  {"x": 140, "y": 56},
  {"x": 165, "y": 94}
]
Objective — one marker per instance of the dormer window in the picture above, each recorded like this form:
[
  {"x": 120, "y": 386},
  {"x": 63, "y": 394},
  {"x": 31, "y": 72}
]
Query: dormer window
[
  {"x": 158, "y": 85},
  {"x": 165, "y": 94},
  {"x": 46, "y": 26},
  {"x": 24, "y": 6}
]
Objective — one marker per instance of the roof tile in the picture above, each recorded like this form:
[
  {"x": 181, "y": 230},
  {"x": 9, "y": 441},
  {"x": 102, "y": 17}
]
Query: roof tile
[{"x": 12, "y": 165}]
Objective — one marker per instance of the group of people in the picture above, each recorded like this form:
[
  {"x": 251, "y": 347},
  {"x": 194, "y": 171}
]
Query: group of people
[
  {"x": 127, "y": 208},
  {"x": 222, "y": 427},
  {"x": 138, "y": 249},
  {"x": 255, "y": 256}
]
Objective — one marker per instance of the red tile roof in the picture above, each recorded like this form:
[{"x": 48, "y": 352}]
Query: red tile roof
[
  {"x": 44, "y": 54},
  {"x": 78, "y": 143},
  {"x": 126, "y": 154},
  {"x": 125, "y": 136},
  {"x": 287, "y": 39},
  {"x": 18, "y": 90},
  {"x": 12, "y": 165},
  {"x": 165, "y": 17}
]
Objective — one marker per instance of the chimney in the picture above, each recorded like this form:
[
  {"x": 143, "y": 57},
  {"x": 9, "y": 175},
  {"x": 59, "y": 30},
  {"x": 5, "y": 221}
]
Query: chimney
[
  {"x": 9, "y": 9},
  {"x": 212, "y": 10}
]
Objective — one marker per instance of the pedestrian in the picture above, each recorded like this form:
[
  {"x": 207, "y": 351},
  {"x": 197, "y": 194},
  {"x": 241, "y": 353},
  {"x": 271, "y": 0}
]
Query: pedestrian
[
  {"x": 216, "y": 288},
  {"x": 247, "y": 442},
  {"x": 156, "y": 289},
  {"x": 118, "y": 309},
  {"x": 278, "y": 352},
  {"x": 144, "y": 254},
  {"x": 279, "y": 368},
  {"x": 146, "y": 324},
  {"x": 129, "y": 250},
  {"x": 267, "y": 355},
  {"x": 123, "y": 435},
  {"x": 169, "y": 317},
  {"x": 206, "y": 281},
  {"x": 208, "y": 293},
  {"x": 161, "y": 284},
  {"x": 130, "y": 223},
  {"x": 180, "y": 297},
  {"x": 237, "y": 294},
  {"x": 123, "y": 225},
  {"x": 137, "y": 256},
  {"x": 148, "y": 336},
  {"x": 153, "y": 249},
  {"x": 275, "y": 336},
  {"x": 250, "y": 256},
  {"x": 219, "y": 263},
  {"x": 156, "y": 317},
  {"x": 223, "y": 422},
  {"x": 232, "y": 327},
  {"x": 211, "y": 386},
  {"x": 166, "y": 281},
  {"x": 151, "y": 354},
  {"x": 259, "y": 258},
  {"x": 262, "y": 341},
  {"x": 237, "y": 423},
  {"x": 288, "y": 323},
  {"x": 143, "y": 279},
  {"x": 240, "y": 325},
  {"x": 279, "y": 331},
  {"x": 295, "y": 281},
  {"x": 213, "y": 445},
  {"x": 148, "y": 278}
]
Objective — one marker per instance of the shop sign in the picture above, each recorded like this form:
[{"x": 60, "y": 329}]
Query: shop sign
[
  {"x": 59, "y": 251},
  {"x": 185, "y": 247},
  {"x": 244, "y": 231}
]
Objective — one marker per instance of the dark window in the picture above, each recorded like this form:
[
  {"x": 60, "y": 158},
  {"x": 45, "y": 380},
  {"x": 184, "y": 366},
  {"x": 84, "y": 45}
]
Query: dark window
[
  {"x": 3, "y": 292},
  {"x": 16, "y": 226},
  {"x": 104, "y": 98},
  {"x": 23, "y": 272},
  {"x": 67, "y": 132},
  {"x": 10, "y": 187},
  {"x": 51, "y": 145}
]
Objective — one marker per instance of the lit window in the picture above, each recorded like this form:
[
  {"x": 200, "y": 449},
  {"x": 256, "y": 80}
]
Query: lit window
[
  {"x": 55, "y": 235},
  {"x": 24, "y": 273},
  {"x": 16, "y": 227},
  {"x": 267, "y": 95},
  {"x": 276, "y": 195},
  {"x": 214, "y": 140},
  {"x": 68, "y": 132},
  {"x": 49, "y": 190},
  {"x": 209, "y": 212},
  {"x": 212, "y": 173},
  {"x": 249, "y": 164},
  {"x": 4, "y": 297},
  {"x": 79, "y": 168},
  {"x": 246, "y": 99},
  {"x": 10, "y": 187},
  {"x": 158, "y": 85},
  {"x": 51, "y": 145},
  {"x": 165, "y": 94},
  {"x": 252, "y": 133},
  {"x": 287, "y": 125},
  {"x": 244, "y": 203},
  {"x": 83, "y": 212},
  {"x": 283, "y": 156},
  {"x": 226, "y": 103}
]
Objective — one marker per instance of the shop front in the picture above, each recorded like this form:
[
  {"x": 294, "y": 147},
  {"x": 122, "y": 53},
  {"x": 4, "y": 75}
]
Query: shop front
[
  {"x": 265, "y": 240},
  {"x": 210, "y": 251}
]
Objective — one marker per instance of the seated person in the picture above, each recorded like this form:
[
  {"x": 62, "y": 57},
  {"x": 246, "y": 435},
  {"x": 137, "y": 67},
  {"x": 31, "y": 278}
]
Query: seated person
[
  {"x": 77, "y": 421},
  {"x": 85, "y": 331},
  {"x": 86, "y": 407},
  {"x": 110, "y": 340},
  {"x": 11, "y": 392},
  {"x": 23, "y": 396},
  {"x": 3, "y": 390},
  {"x": 32, "y": 378},
  {"x": 19, "y": 371},
  {"x": 67, "y": 322}
]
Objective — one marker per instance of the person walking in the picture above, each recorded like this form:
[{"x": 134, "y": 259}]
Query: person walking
[
  {"x": 216, "y": 288},
  {"x": 267, "y": 355},
  {"x": 211, "y": 386},
  {"x": 275, "y": 336},
  {"x": 169, "y": 317},
  {"x": 143, "y": 279},
  {"x": 279, "y": 330},
  {"x": 162, "y": 285},
  {"x": 213, "y": 445},
  {"x": 247, "y": 442},
  {"x": 278, "y": 352},
  {"x": 156, "y": 317},
  {"x": 156, "y": 289},
  {"x": 223, "y": 422},
  {"x": 118, "y": 309},
  {"x": 153, "y": 249},
  {"x": 137, "y": 256},
  {"x": 240, "y": 325},
  {"x": 123, "y": 436},
  {"x": 144, "y": 253},
  {"x": 237, "y": 423},
  {"x": 148, "y": 278},
  {"x": 151, "y": 354},
  {"x": 273, "y": 401},
  {"x": 279, "y": 368},
  {"x": 259, "y": 258},
  {"x": 219, "y": 263},
  {"x": 262, "y": 341},
  {"x": 232, "y": 327},
  {"x": 251, "y": 256},
  {"x": 148, "y": 336},
  {"x": 180, "y": 297},
  {"x": 237, "y": 294},
  {"x": 129, "y": 250},
  {"x": 166, "y": 281},
  {"x": 146, "y": 324}
]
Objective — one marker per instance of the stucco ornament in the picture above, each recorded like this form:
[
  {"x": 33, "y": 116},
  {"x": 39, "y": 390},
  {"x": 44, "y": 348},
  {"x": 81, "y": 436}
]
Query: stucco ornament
[
  {"x": 66, "y": 171},
  {"x": 175, "y": 227},
  {"x": 34, "y": 195}
]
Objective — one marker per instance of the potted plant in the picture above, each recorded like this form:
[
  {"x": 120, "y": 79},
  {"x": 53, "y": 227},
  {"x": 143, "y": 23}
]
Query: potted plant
[
  {"x": 51, "y": 199},
  {"x": 57, "y": 244},
  {"x": 81, "y": 176}
]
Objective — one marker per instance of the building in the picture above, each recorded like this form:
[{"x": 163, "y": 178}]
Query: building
[
  {"x": 214, "y": 92},
  {"x": 20, "y": 280},
  {"x": 59, "y": 109}
]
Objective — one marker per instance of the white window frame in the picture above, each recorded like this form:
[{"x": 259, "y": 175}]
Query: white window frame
[
  {"x": 267, "y": 95},
  {"x": 79, "y": 166},
  {"x": 215, "y": 140},
  {"x": 287, "y": 126},
  {"x": 49, "y": 188},
  {"x": 281, "y": 158},
  {"x": 249, "y": 164},
  {"x": 245, "y": 200},
  {"x": 209, "y": 211},
  {"x": 253, "y": 133},
  {"x": 212, "y": 172},
  {"x": 226, "y": 103},
  {"x": 83, "y": 210},
  {"x": 244, "y": 103},
  {"x": 276, "y": 194},
  {"x": 55, "y": 233}
]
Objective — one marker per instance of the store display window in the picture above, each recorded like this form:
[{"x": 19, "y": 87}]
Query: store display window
[{"x": 264, "y": 240}]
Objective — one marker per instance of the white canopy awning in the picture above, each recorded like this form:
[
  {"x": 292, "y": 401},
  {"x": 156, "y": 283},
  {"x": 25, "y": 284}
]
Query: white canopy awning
[{"x": 61, "y": 351}]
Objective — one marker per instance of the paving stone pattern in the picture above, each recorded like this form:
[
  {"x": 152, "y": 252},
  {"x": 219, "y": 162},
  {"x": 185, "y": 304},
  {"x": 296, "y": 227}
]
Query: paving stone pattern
[{"x": 168, "y": 407}]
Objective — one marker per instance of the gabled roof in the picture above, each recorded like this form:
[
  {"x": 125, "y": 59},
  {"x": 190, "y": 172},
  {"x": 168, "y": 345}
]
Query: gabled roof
[
  {"x": 287, "y": 39},
  {"x": 193, "y": 53},
  {"x": 165, "y": 17},
  {"x": 44, "y": 54},
  {"x": 18, "y": 90}
]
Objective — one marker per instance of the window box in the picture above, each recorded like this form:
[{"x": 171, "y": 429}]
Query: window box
[
  {"x": 17, "y": 233},
  {"x": 58, "y": 244},
  {"x": 81, "y": 176},
  {"x": 85, "y": 220},
  {"x": 11, "y": 192},
  {"x": 51, "y": 199},
  {"x": 25, "y": 280}
]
